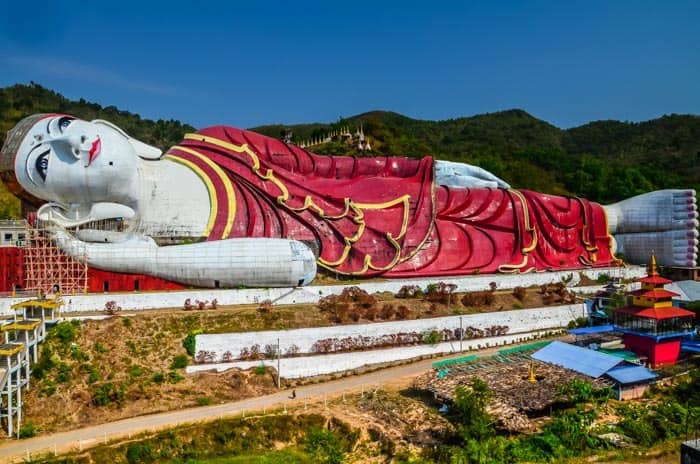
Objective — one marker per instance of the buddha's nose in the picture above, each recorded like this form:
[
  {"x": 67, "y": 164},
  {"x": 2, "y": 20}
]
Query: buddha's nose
[{"x": 80, "y": 146}]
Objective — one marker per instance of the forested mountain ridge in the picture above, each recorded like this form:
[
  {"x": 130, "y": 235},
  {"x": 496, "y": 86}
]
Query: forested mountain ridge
[{"x": 604, "y": 160}]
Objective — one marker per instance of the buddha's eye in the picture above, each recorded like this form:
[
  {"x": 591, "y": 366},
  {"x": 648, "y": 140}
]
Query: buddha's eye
[
  {"x": 64, "y": 122},
  {"x": 42, "y": 164}
]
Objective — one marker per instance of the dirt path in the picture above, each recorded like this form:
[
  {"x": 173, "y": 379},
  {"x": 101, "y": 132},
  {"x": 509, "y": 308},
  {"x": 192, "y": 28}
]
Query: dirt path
[{"x": 396, "y": 377}]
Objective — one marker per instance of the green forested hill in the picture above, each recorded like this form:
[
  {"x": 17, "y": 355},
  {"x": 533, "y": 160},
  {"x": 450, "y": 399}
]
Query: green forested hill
[{"x": 603, "y": 160}]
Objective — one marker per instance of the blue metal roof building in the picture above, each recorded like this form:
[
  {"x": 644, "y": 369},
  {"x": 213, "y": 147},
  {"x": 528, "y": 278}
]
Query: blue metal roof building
[
  {"x": 627, "y": 375},
  {"x": 582, "y": 360},
  {"x": 592, "y": 329},
  {"x": 631, "y": 380}
]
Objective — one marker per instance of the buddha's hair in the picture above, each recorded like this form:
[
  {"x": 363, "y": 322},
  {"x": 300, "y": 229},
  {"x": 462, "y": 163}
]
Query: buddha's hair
[{"x": 9, "y": 151}]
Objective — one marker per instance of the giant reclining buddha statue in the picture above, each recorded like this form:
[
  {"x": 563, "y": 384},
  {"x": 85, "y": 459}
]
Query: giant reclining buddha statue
[{"x": 229, "y": 207}]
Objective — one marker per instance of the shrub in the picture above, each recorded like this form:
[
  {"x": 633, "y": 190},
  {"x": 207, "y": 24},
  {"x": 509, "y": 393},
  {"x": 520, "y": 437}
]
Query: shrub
[
  {"x": 158, "y": 378},
  {"x": 135, "y": 371},
  {"x": 203, "y": 401},
  {"x": 251, "y": 354},
  {"x": 27, "y": 430},
  {"x": 112, "y": 308},
  {"x": 46, "y": 363},
  {"x": 66, "y": 332},
  {"x": 387, "y": 311},
  {"x": 352, "y": 303},
  {"x": 204, "y": 357},
  {"x": 402, "y": 312},
  {"x": 63, "y": 374},
  {"x": 440, "y": 292},
  {"x": 481, "y": 298},
  {"x": 94, "y": 375},
  {"x": 137, "y": 453},
  {"x": 265, "y": 307},
  {"x": 108, "y": 393},
  {"x": 49, "y": 388},
  {"x": 260, "y": 370},
  {"x": 371, "y": 314},
  {"x": 324, "y": 446},
  {"x": 271, "y": 351},
  {"x": 355, "y": 314},
  {"x": 520, "y": 293},
  {"x": 127, "y": 322},
  {"x": 431, "y": 337},
  {"x": 189, "y": 341},
  {"x": 174, "y": 377},
  {"x": 78, "y": 354},
  {"x": 293, "y": 350},
  {"x": 180, "y": 362},
  {"x": 409, "y": 291}
]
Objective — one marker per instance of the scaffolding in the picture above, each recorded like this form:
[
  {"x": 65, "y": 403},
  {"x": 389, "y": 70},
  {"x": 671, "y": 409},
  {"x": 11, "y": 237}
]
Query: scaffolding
[{"x": 48, "y": 269}]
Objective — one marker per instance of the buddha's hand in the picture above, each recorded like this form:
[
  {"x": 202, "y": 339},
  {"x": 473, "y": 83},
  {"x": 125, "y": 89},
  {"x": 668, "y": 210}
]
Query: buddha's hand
[{"x": 452, "y": 174}]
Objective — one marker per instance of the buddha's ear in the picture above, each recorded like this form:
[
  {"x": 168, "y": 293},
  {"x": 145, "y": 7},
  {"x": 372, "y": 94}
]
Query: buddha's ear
[{"x": 143, "y": 150}]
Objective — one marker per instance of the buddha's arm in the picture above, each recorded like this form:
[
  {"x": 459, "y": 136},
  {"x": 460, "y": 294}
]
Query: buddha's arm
[{"x": 254, "y": 262}]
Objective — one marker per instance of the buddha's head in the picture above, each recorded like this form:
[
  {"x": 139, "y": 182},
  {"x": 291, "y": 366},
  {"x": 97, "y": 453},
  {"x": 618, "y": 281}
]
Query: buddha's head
[{"x": 74, "y": 165}]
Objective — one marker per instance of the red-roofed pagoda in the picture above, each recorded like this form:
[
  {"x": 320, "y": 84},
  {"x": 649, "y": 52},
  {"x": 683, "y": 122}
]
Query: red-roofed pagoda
[{"x": 653, "y": 327}]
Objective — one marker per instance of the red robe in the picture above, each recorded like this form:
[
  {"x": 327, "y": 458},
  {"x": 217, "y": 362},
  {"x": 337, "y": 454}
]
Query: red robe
[{"x": 385, "y": 215}]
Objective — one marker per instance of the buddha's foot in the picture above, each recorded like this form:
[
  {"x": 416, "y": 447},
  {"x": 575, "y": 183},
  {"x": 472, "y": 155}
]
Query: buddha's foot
[
  {"x": 672, "y": 248},
  {"x": 657, "y": 211},
  {"x": 664, "y": 222}
]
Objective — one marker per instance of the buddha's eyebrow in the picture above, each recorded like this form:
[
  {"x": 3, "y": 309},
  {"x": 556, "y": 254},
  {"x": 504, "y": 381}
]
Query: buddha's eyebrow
[{"x": 30, "y": 151}]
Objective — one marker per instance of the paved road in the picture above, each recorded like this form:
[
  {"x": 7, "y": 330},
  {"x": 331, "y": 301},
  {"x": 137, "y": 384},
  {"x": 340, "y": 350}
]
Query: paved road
[{"x": 17, "y": 450}]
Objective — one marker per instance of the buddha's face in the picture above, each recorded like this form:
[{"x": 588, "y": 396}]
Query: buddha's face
[
  {"x": 71, "y": 161},
  {"x": 86, "y": 170}
]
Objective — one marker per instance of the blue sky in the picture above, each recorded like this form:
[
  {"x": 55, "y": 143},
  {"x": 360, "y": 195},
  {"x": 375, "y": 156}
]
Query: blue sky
[{"x": 251, "y": 63}]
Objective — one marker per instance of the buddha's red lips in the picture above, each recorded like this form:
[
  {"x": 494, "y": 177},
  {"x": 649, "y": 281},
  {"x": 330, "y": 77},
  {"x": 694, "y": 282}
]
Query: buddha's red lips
[{"x": 95, "y": 150}]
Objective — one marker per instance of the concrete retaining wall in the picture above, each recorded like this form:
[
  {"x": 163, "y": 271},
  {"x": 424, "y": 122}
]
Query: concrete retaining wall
[
  {"x": 311, "y": 294},
  {"x": 518, "y": 321},
  {"x": 308, "y": 366}
]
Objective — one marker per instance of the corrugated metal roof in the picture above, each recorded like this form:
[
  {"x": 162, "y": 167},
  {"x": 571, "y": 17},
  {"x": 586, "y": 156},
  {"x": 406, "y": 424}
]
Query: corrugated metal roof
[
  {"x": 690, "y": 288},
  {"x": 592, "y": 330},
  {"x": 631, "y": 374},
  {"x": 582, "y": 360},
  {"x": 624, "y": 354}
]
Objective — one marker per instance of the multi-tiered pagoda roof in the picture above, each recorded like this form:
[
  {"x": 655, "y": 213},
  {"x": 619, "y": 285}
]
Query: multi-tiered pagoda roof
[{"x": 651, "y": 312}]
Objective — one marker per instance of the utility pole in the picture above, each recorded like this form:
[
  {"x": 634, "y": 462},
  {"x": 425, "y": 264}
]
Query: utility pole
[{"x": 279, "y": 354}]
